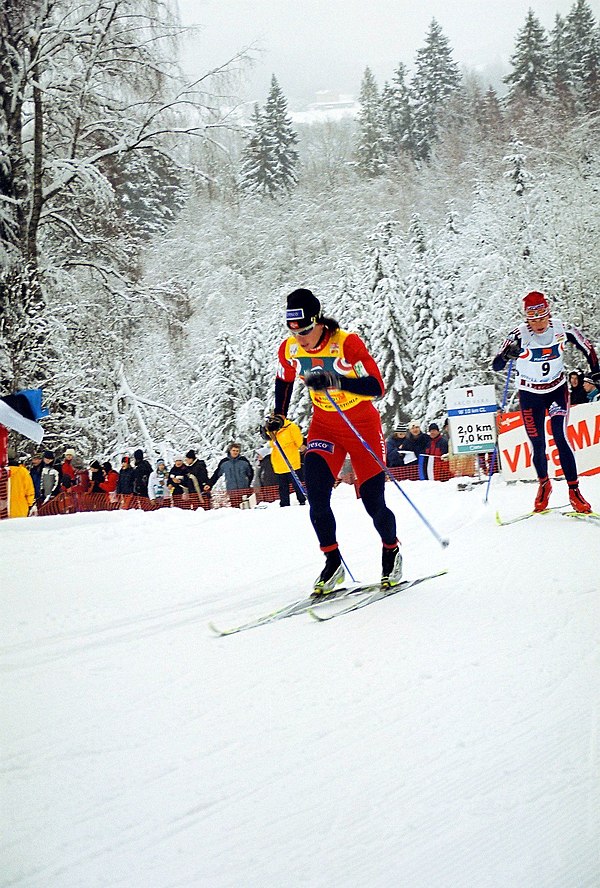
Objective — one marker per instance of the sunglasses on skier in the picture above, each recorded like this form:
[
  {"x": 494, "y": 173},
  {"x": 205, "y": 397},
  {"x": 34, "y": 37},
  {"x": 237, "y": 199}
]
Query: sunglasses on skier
[
  {"x": 537, "y": 313},
  {"x": 305, "y": 330}
]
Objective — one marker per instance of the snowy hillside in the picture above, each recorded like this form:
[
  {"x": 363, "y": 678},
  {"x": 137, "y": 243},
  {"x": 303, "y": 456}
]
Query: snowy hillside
[{"x": 445, "y": 737}]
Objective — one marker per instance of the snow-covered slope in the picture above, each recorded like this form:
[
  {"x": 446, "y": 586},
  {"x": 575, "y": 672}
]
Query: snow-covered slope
[{"x": 445, "y": 737}]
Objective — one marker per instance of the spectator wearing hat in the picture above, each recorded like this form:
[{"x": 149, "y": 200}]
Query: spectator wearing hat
[
  {"x": 394, "y": 446},
  {"x": 68, "y": 474},
  {"x": 142, "y": 472},
  {"x": 591, "y": 390},
  {"x": 50, "y": 477},
  {"x": 438, "y": 448},
  {"x": 157, "y": 483},
  {"x": 126, "y": 477},
  {"x": 96, "y": 477},
  {"x": 197, "y": 476},
  {"x": 111, "y": 478},
  {"x": 22, "y": 491},
  {"x": 177, "y": 477},
  {"x": 237, "y": 472},
  {"x": 81, "y": 486},
  {"x": 35, "y": 471},
  {"x": 416, "y": 440}
]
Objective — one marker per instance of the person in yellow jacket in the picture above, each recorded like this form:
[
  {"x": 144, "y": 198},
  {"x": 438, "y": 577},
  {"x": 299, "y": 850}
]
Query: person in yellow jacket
[
  {"x": 287, "y": 435},
  {"x": 22, "y": 493}
]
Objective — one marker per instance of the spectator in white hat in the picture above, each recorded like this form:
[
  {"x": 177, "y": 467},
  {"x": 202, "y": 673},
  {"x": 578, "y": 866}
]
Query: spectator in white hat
[
  {"x": 416, "y": 440},
  {"x": 69, "y": 475}
]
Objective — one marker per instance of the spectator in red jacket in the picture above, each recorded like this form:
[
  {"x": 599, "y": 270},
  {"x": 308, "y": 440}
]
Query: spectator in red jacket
[
  {"x": 438, "y": 448},
  {"x": 111, "y": 478},
  {"x": 69, "y": 475}
]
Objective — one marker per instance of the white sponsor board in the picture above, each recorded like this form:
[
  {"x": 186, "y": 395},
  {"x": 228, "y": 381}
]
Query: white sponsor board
[
  {"x": 472, "y": 419},
  {"x": 583, "y": 431}
]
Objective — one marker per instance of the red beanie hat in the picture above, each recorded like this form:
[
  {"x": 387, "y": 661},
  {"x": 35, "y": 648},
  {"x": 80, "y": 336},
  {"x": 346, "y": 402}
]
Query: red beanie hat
[{"x": 536, "y": 302}]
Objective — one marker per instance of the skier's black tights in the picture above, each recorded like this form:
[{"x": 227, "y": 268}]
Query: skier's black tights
[{"x": 319, "y": 485}]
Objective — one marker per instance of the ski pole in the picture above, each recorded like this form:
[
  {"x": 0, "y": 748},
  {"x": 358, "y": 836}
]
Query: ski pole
[
  {"x": 495, "y": 451},
  {"x": 297, "y": 480},
  {"x": 441, "y": 540},
  {"x": 300, "y": 486}
]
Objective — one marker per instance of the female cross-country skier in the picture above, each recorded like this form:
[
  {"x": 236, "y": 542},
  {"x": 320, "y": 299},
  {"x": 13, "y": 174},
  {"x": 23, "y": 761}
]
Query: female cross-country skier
[
  {"x": 334, "y": 361},
  {"x": 537, "y": 347}
]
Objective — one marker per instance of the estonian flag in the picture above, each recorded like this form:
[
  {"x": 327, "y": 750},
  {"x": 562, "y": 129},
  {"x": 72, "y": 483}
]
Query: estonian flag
[
  {"x": 426, "y": 467},
  {"x": 21, "y": 411}
]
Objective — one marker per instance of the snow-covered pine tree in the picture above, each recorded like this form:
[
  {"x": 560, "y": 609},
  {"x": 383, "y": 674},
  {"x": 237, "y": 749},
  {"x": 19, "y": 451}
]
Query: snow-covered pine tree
[
  {"x": 282, "y": 139},
  {"x": 582, "y": 48},
  {"x": 221, "y": 393},
  {"x": 257, "y": 162},
  {"x": 372, "y": 139},
  {"x": 425, "y": 293},
  {"x": 435, "y": 81},
  {"x": 521, "y": 179},
  {"x": 491, "y": 117},
  {"x": 390, "y": 349},
  {"x": 558, "y": 58},
  {"x": 253, "y": 384},
  {"x": 349, "y": 296},
  {"x": 397, "y": 113},
  {"x": 269, "y": 158},
  {"x": 530, "y": 77},
  {"x": 516, "y": 171},
  {"x": 374, "y": 269}
]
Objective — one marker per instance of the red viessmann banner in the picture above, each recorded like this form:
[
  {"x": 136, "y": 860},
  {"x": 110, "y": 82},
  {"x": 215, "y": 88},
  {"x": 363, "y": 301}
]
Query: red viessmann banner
[{"x": 583, "y": 432}]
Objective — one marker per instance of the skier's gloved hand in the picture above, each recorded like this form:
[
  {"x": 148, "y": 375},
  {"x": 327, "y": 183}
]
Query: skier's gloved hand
[
  {"x": 513, "y": 350},
  {"x": 320, "y": 379},
  {"x": 275, "y": 422}
]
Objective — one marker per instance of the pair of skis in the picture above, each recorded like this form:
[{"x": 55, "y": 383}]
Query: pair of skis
[
  {"x": 591, "y": 517},
  {"x": 358, "y": 596}
]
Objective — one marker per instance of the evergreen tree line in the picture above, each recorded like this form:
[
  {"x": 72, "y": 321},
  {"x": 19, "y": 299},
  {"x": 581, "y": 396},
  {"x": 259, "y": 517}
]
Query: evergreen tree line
[{"x": 404, "y": 120}]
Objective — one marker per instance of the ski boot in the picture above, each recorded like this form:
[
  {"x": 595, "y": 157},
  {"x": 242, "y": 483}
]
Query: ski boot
[
  {"x": 331, "y": 575},
  {"x": 391, "y": 567},
  {"x": 543, "y": 495},
  {"x": 577, "y": 501}
]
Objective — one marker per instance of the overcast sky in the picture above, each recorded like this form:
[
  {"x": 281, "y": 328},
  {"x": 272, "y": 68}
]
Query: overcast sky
[{"x": 326, "y": 44}]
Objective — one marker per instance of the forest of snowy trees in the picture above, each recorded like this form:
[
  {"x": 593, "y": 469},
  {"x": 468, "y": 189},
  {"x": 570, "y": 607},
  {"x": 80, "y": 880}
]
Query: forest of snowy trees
[{"x": 150, "y": 228}]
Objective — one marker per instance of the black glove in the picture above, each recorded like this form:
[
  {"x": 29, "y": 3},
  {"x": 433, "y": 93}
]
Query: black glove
[
  {"x": 320, "y": 379},
  {"x": 513, "y": 350},
  {"x": 273, "y": 424}
]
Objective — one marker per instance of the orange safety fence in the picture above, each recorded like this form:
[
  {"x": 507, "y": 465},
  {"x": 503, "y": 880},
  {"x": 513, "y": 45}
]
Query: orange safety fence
[{"x": 68, "y": 502}]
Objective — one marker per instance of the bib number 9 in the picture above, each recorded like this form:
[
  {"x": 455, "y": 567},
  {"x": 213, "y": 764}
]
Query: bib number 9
[{"x": 545, "y": 368}]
